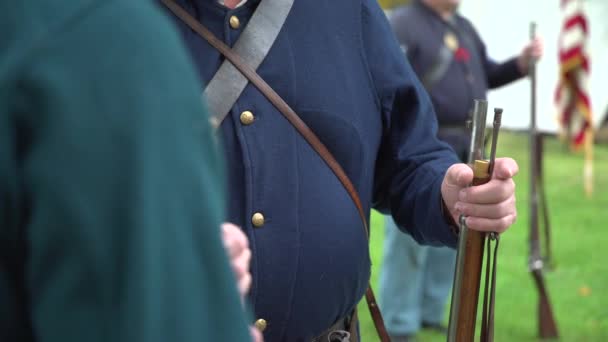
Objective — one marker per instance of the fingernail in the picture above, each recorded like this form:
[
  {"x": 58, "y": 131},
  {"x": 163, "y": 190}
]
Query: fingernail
[
  {"x": 462, "y": 195},
  {"x": 458, "y": 207}
]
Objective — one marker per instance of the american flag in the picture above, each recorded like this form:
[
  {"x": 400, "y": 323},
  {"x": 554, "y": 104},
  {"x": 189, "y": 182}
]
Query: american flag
[{"x": 572, "y": 95}]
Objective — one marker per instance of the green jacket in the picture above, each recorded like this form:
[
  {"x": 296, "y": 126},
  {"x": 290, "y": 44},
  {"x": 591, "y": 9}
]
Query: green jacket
[{"x": 110, "y": 193}]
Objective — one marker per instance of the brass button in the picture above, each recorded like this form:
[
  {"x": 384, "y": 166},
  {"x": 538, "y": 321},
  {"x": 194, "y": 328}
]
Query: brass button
[
  {"x": 261, "y": 324},
  {"x": 247, "y": 117},
  {"x": 235, "y": 23},
  {"x": 257, "y": 219}
]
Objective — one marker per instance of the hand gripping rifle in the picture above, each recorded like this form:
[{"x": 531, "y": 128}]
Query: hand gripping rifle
[
  {"x": 469, "y": 258},
  {"x": 547, "y": 328}
]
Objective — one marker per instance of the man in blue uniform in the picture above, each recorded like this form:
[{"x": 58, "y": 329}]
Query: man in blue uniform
[
  {"x": 450, "y": 59},
  {"x": 339, "y": 66}
]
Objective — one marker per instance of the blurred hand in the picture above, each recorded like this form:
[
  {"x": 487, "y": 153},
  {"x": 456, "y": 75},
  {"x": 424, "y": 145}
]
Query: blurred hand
[
  {"x": 237, "y": 247},
  {"x": 256, "y": 335},
  {"x": 488, "y": 207},
  {"x": 533, "y": 51}
]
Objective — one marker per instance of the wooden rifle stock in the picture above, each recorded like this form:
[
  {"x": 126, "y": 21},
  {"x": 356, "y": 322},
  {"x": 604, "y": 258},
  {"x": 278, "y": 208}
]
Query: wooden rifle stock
[
  {"x": 466, "y": 295},
  {"x": 547, "y": 327}
]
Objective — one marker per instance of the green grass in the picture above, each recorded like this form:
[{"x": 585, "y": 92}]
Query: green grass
[{"x": 578, "y": 286}]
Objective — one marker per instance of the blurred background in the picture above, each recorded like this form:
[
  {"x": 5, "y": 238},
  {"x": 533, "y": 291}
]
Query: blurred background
[
  {"x": 575, "y": 175},
  {"x": 504, "y": 27}
]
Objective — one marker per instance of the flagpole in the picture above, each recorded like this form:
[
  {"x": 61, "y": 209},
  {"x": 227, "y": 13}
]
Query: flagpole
[{"x": 588, "y": 167}]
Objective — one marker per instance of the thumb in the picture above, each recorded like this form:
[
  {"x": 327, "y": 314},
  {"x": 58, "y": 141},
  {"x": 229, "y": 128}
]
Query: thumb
[{"x": 459, "y": 175}]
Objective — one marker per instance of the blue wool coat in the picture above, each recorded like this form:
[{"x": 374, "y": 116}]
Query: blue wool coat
[{"x": 339, "y": 66}]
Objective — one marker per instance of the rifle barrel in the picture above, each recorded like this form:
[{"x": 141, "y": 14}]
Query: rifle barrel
[
  {"x": 469, "y": 257},
  {"x": 497, "y": 121},
  {"x": 547, "y": 327}
]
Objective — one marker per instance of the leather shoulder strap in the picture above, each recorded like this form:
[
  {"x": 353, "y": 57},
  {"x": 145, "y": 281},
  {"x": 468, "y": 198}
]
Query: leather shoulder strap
[
  {"x": 300, "y": 126},
  {"x": 275, "y": 99}
]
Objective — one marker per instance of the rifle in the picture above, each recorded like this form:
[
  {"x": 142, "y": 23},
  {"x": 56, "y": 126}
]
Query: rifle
[
  {"x": 547, "y": 327},
  {"x": 469, "y": 257}
]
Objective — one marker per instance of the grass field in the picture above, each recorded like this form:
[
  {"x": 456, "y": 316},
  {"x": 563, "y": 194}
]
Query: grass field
[{"x": 578, "y": 286}]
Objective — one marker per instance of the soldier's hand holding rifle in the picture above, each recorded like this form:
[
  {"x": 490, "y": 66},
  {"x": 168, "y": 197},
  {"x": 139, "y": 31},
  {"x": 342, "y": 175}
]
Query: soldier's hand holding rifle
[
  {"x": 488, "y": 207},
  {"x": 479, "y": 196},
  {"x": 532, "y": 52}
]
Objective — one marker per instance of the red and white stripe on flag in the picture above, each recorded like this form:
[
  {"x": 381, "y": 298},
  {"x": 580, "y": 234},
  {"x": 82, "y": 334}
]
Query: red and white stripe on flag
[{"x": 571, "y": 95}]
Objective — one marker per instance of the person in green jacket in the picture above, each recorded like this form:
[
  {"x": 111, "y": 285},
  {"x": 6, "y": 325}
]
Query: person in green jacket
[{"x": 111, "y": 199}]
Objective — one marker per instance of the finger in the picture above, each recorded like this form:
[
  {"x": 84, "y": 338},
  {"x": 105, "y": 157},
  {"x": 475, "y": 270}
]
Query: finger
[
  {"x": 539, "y": 41},
  {"x": 234, "y": 239},
  {"x": 228, "y": 226},
  {"x": 505, "y": 168},
  {"x": 459, "y": 175},
  {"x": 244, "y": 284},
  {"x": 492, "y": 211},
  {"x": 231, "y": 245},
  {"x": 236, "y": 232},
  {"x": 240, "y": 264},
  {"x": 493, "y": 192},
  {"x": 536, "y": 41},
  {"x": 256, "y": 335},
  {"x": 491, "y": 225}
]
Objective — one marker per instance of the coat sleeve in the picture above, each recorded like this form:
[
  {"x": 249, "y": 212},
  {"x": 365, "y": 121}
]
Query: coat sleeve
[
  {"x": 412, "y": 161},
  {"x": 500, "y": 74},
  {"x": 122, "y": 195}
]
